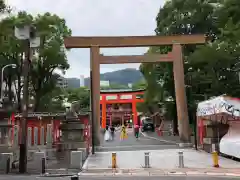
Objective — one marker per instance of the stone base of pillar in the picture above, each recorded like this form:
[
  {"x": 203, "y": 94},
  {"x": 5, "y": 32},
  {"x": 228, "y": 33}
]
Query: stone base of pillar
[
  {"x": 38, "y": 156},
  {"x": 76, "y": 159},
  {"x": 4, "y": 159}
]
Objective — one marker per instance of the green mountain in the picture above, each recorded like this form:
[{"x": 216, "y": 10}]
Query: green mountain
[{"x": 121, "y": 77}]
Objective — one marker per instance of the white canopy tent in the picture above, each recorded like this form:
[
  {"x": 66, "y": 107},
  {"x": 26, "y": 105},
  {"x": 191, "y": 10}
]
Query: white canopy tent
[{"x": 224, "y": 109}]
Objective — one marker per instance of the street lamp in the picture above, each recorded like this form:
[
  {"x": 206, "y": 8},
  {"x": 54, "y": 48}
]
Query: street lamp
[
  {"x": 4, "y": 67},
  {"x": 28, "y": 34}
]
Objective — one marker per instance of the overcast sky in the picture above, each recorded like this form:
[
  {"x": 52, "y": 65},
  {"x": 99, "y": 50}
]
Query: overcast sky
[{"x": 99, "y": 18}]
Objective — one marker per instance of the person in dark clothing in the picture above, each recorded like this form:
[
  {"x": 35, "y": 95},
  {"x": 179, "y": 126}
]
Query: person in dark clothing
[
  {"x": 112, "y": 130},
  {"x": 136, "y": 130}
]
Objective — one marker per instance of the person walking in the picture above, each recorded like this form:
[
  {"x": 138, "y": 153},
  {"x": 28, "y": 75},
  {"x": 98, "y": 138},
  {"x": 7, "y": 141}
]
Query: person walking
[
  {"x": 112, "y": 131},
  {"x": 107, "y": 135},
  {"x": 123, "y": 132},
  {"x": 136, "y": 131}
]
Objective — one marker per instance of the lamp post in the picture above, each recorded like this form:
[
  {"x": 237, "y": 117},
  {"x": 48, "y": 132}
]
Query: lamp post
[
  {"x": 28, "y": 34},
  {"x": 4, "y": 67}
]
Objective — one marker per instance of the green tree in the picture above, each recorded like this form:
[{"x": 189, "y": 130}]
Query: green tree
[
  {"x": 50, "y": 55},
  {"x": 46, "y": 59},
  {"x": 80, "y": 98},
  {"x": 53, "y": 101},
  {"x": 192, "y": 17},
  {"x": 139, "y": 85},
  {"x": 3, "y": 7},
  {"x": 12, "y": 51}
]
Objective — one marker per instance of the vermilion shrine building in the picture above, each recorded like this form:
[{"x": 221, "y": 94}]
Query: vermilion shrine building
[
  {"x": 118, "y": 106},
  {"x": 43, "y": 128}
]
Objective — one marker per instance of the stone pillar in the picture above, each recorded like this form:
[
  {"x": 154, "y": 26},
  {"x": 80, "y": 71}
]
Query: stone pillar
[
  {"x": 35, "y": 142},
  {"x": 10, "y": 136},
  {"x": 49, "y": 135},
  {"x": 3, "y": 160},
  {"x": 181, "y": 99},
  {"x": 29, "y": 136},
  {"x": 37, "y": 159},
  {"x": 16, "y": 142},
  {"x": 42, "y": 134},
  {"x": 76, "y": 159},
  {"x": 16, "y": 136},
  {"x": 95, "y": 72}
]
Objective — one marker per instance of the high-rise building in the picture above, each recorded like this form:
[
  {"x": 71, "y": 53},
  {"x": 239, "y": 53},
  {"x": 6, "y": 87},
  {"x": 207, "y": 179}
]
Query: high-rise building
[
  {"x": 130, "y": 85},
  {"x": 82, "y": 84},
  {"x": 62, "y": 82}
]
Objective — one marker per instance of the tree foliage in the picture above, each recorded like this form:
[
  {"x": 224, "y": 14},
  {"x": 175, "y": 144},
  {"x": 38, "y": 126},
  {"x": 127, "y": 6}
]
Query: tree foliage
[
  {"x": 210, "y": 69},
  {"x": 47, "y": 58},
  {"x": 4, "y": 8}
]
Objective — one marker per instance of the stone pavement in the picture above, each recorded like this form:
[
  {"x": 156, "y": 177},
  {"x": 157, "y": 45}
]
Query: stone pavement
[
  {"x": 159, "y": 159},
  {"x": 163, "y": 139},
  {"x": 131, "y": 144}
]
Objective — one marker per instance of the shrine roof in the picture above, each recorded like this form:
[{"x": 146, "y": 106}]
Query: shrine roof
[{"x": 111, "y": 91}]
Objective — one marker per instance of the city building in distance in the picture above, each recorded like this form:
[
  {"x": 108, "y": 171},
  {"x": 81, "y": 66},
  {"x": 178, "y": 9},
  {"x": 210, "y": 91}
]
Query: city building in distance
[
  {"x": 104, "y": 83},
  {"x": 82, "y": 83},
  {"x": 62, "y": 83}
]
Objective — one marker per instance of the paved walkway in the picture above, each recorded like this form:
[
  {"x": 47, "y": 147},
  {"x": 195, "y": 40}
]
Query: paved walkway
[
  {"x": 131, "y": 144},
  {"x": 159, "y": 159},
  {"x": 166, "y": 139}
]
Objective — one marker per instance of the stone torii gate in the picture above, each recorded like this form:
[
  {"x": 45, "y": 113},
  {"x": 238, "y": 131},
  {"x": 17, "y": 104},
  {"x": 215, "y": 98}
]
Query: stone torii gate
[{"x": 95, "y": 43}]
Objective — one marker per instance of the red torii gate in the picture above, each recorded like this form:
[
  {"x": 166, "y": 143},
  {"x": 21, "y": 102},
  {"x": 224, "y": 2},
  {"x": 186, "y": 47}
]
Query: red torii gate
[{"x": 120, "y": 97}]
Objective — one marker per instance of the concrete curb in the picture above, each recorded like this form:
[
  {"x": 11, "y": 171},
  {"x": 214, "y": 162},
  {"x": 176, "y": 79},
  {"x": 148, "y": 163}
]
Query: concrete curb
[
  {"x": 57, "y": 175},
  {"x": 190, "y": 174},
  {"x": 158, "y": 172}
]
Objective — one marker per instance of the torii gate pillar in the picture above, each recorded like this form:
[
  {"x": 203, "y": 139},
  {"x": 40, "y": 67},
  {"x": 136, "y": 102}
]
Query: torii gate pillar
[
  {"x": 181, "y": 99},
  {"x": 95, "y": 92}
]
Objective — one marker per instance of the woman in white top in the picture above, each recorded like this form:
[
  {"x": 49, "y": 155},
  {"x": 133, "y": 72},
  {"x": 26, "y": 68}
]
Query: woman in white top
[{"x": 107, "y": 135}]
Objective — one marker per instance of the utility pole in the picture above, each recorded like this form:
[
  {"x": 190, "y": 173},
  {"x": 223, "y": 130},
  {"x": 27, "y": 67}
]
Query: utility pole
[{"x": 23, "y": 142}]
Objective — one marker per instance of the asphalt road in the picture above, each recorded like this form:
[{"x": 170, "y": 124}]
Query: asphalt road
[
  {"x": 117, "y": 178},
  {"x": 132, "y": 144}
]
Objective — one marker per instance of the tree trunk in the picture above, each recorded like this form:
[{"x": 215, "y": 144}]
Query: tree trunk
[{"x": 37, "y": 102}]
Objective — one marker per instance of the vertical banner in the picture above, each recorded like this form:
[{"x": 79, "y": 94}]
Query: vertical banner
[{"x": 16, "y": 136}]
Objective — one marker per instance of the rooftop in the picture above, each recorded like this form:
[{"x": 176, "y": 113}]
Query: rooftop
[{"x": 120, "y": 91}]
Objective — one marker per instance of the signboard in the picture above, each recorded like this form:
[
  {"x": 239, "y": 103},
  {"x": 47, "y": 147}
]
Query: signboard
[
  {"x": 221, "y": 104},
  {"x": 114, "y": 97},
  {"x": 126, "y": 97},
  {"x": 104, "y": 83}
]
